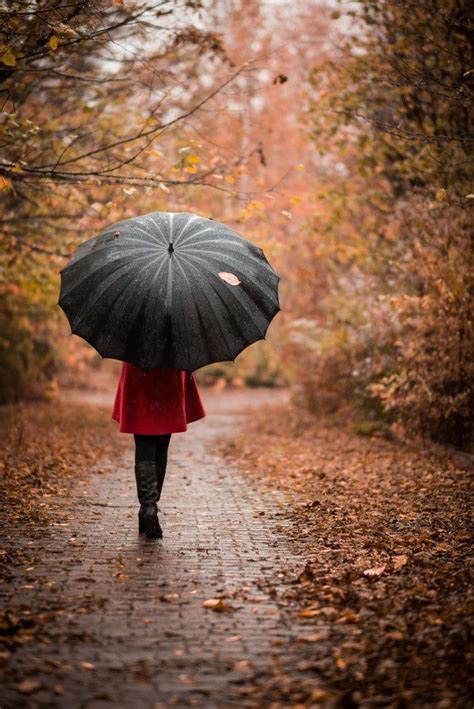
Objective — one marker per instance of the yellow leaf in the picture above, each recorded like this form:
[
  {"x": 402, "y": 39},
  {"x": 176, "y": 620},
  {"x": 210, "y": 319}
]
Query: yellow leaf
[
  {"x": 54, "y": 42},
  {"x": 255, "y": 204},
  {"x": 156, "y": 153},
  {"x": 191, "y": 169},
  {"x": 441, "y": 195},
  {"x": 230, "y": 179},
  {"x": 9, "y": 58},
  {"x": 193, "y": 159},
  {"x": 295, "y": 199},
  {"x": 300, "y": 166},
  {"x": 5, "y": 184}
]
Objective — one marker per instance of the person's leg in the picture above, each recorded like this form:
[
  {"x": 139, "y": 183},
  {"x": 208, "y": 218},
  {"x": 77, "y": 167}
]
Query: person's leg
[
  {"x": 161, "y": 458},
  {"x": 147, "y": 485},
  {"x": 145, "y": 447}
]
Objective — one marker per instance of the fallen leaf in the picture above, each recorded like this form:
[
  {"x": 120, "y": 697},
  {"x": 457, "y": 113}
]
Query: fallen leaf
[
  {"x": 348, "y": 617},
  {"x": 27, "y": 686},
  {"x": 399, "y": 561},
  {"x": 218, "y": 605},
  {"x": 311, "y": 638},
  {"x": 375, "y": 571},
  {"x": 308, "y": 613},
  {"x": 229, "y": 278}
]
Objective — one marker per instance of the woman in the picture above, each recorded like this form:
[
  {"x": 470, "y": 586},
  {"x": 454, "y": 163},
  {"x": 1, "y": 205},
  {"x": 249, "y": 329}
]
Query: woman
[{"x": 152, "y": 405}]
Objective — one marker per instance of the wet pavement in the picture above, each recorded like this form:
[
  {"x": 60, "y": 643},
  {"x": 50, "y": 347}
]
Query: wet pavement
[{"x": 125, "y": 624}]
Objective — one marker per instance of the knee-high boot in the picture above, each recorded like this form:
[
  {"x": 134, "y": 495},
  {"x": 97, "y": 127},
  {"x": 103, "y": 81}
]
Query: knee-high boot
[{"x": 147, "y": 492}]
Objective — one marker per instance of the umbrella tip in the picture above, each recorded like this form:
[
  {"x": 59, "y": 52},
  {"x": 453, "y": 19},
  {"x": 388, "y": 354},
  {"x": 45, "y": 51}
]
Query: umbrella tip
[{"x": 170, "y": 248}]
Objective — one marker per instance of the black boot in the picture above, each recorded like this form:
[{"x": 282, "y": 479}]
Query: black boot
[
  {"x": 161, "y": 460},
  {"x": 147, "y": 492}
]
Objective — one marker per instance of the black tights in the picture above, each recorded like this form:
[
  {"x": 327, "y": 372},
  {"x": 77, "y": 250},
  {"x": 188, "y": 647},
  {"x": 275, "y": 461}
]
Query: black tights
[{"x": 153, "y": 448}]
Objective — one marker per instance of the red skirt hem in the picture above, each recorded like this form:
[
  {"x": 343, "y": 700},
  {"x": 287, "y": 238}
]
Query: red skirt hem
[{"x": 152, "y": 430}]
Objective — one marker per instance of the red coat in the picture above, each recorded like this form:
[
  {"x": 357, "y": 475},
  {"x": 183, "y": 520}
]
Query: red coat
[{"x": 157, "y": 401}]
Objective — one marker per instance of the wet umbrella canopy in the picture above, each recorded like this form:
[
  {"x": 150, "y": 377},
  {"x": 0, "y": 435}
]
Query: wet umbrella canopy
[{"x": 169, "y": 289}]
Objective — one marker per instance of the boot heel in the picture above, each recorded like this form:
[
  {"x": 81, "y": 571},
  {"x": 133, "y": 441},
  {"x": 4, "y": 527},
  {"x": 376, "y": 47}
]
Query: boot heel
[{"x": 152, "y": 525}]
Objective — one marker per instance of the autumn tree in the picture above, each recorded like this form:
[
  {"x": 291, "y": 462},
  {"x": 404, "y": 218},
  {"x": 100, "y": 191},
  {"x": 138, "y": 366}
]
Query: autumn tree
[
  {"x": 395, "y": 329},
  {"x": 88, "y": 88}
]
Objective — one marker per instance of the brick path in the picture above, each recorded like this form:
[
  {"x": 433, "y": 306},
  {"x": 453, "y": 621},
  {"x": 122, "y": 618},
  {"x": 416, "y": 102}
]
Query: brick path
[{"x": 126, "y": 625}]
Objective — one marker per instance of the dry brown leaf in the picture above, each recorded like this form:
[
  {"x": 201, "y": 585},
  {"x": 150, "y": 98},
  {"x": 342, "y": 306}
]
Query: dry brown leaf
[
  {"x": 229, "y": 278},
  {"x": 27, "y": 686},
  {"x": 319, "y": 695},
  {"x": 399, "y": 561},
  {"x": 348, "y": 617},
  {"x": 376, "y": 570},
  {"x": 218, "y": 605},
  {"x": 312, "y": 638}
]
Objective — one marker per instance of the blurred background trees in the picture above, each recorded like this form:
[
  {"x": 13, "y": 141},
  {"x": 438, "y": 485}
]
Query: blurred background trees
[
  {"x": 389, "y": 250},
  {"x": 338, "y": 140}
]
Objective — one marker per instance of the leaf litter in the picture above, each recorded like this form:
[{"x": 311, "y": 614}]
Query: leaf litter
[{"x": 384, "y": 592}]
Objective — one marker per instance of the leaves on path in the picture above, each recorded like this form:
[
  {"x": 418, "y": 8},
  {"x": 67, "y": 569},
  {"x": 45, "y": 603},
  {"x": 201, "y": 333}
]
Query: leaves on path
[
  {"x": 383, "y": 531},
  {"x": 219, "y": 605}
]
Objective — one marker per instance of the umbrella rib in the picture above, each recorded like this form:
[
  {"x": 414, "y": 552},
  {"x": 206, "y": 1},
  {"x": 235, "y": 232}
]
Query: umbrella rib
[
  {"x": 222, "y": 235},
  {"x": 195, "y": 309},
  {"x": 195, "y": 234},
  {"x": 158, "y": 227},
  {"x": 192, "y": 218},
  {"x": 199, "y": 280},
  {"x": 121, "y": 264},
  {"x": 149, "y": 235},
  {"x": 152, "y": 284},
  {"x": 123, "y": 292},
  {"x": 240, "y": 264},
  {"x": 206, "y": 266},
  {"x": 129, "y": 249}
]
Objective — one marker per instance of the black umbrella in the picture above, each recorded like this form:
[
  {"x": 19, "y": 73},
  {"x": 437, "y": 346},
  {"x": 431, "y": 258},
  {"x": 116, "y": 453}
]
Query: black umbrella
[{"x": 169, "y": 289}]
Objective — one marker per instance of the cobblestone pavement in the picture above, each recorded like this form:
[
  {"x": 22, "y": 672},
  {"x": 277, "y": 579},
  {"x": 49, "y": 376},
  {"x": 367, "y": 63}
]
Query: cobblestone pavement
[{"x": 125, "y": 625}]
